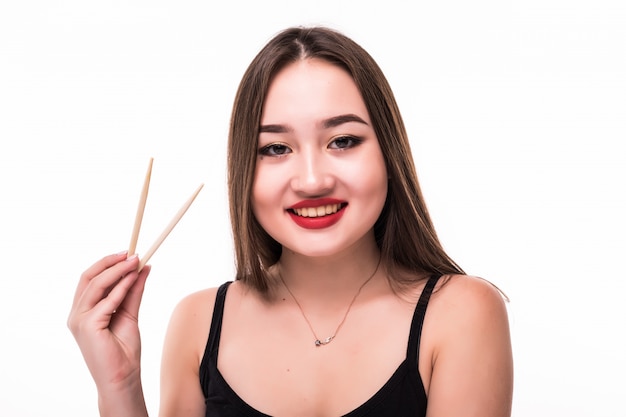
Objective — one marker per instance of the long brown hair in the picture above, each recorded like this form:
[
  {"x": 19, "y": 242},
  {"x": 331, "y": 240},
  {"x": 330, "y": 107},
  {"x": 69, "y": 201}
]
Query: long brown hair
[{"x": 404, "y": 231}]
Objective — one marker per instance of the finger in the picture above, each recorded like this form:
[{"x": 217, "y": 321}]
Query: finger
[
  {"x": 99, "y": 287},
  {"x": 95, "y": 270},
  {"x": 132, "y": 301},
  {"x": 112, "y": 302}
]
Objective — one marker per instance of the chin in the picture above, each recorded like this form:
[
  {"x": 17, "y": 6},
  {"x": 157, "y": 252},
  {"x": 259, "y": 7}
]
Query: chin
[{"x": 312, "y": 252}]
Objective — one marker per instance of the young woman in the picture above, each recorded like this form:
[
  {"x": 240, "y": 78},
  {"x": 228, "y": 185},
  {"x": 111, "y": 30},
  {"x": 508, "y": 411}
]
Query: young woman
[{"x": 344, "y": 301}]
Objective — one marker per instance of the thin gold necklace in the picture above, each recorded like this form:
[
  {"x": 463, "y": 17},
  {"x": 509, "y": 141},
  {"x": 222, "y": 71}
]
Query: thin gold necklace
[{"x": 322, "y": 342}]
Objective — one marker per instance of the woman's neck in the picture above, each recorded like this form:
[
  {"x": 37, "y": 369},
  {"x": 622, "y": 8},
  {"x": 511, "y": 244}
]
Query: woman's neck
[{"x": 335, "y": 277}]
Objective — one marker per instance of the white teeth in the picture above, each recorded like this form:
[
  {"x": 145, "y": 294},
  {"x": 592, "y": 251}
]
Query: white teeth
[{"x": 317, "y": 211}]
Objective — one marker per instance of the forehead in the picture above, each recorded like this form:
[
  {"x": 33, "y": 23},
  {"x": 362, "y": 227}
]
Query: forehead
[{"x": 311, "y": 89}]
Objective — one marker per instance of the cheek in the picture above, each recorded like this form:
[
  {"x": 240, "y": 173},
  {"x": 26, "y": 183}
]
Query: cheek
[
  {"x": 377, "y": 185},
  {"x": 371, "y": 178},
  {"x": 380, "y": 185}
]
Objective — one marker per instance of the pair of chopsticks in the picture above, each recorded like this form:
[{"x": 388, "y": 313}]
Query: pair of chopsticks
[{"x": 139, "y": 217}]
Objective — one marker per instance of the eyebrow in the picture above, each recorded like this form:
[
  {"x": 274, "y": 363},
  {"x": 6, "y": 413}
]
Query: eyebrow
[
  {"x": 339, "y": 120},
  {"x": 326, "y": 123}
]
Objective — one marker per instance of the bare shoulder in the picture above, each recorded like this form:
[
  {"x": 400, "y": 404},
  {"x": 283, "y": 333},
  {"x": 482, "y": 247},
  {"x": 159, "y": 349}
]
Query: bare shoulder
[
  {"x": 469, "y": 349},
  {"x": 196, "y": 304},
  {"x": 466, "y": 307},
  {"x": 196, "y": 309},
  {"x": 468, "y": 292},
  {"x": 183, "y": 349},
  {"x": 190, "y": 322}
]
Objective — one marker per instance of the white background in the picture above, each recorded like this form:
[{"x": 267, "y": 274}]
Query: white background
[{"x": 516, "y": 111}]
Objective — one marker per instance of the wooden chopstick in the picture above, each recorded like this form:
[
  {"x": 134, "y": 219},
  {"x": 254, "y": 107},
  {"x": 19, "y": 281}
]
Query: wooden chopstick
[
  {"x": 140, "y": 209},
  {"x": 169, "y": 228}
]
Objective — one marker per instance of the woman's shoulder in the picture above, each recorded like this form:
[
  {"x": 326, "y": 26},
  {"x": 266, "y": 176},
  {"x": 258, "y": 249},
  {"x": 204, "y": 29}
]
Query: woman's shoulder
[
  {"x": 199, "y": 305},
  {"x": 183, "y": 350},
  {"x": 466, "y": 307},
  {"x": 457, "y": 289},
  {"x": 466, "y": 332},
  {"x": 469, "y": 288},
  {"x": 467, "y": 299},
  {"x": 196, "y": 302},
  {"x": 190, "y": 320}
]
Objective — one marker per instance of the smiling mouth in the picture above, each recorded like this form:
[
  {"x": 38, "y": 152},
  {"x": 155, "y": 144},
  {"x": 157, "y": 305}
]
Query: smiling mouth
[{"x": 320, "y": 211}]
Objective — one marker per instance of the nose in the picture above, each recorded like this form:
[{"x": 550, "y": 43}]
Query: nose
[{"x": 313, "y": 174}]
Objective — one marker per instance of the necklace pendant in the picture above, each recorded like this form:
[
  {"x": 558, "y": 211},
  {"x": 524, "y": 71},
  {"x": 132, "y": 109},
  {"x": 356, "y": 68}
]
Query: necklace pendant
[{"x": 325, "y": 341}]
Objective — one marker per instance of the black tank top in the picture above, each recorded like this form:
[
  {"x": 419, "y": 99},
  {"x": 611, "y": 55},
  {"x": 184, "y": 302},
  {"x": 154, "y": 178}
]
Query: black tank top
[{"x": 402, "y": 395}]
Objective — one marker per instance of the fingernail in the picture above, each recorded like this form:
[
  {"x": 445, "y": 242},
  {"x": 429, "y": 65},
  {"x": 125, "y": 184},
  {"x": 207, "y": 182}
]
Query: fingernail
[{"x": 131, "y": 257}]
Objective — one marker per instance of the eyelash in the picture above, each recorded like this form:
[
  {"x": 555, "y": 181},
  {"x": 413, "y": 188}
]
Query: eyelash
[
  {"x": 355, "y": 141},
  {"x": 270, "y": 149}
]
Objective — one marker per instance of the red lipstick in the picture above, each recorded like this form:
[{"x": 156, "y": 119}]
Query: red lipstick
[{"x": 319, "y": 222}]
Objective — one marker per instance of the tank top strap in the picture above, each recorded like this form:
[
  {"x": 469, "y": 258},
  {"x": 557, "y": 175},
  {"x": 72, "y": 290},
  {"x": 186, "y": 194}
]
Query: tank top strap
[
  {"x": 216, "y": 321},
  {"x": 213, "y": 342},
  {"x": 415, "y": 334}
]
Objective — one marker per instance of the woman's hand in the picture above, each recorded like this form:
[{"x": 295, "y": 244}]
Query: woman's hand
[{"x": 104, "y": 323}]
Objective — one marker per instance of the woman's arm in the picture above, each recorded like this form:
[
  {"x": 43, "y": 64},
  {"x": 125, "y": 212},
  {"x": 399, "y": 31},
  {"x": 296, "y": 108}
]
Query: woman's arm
[
  {"x": 185, "y": 341},
  {"x": 472, "y": 365}
]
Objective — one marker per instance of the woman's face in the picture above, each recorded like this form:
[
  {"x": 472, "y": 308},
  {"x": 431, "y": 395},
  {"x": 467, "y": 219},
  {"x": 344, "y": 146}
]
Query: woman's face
[{"x": 320, "y": 181}]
